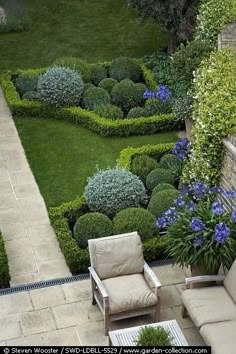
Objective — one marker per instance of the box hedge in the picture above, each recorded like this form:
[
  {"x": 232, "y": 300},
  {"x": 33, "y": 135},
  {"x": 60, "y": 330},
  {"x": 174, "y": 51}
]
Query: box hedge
[{"x": 4, "y": 269}]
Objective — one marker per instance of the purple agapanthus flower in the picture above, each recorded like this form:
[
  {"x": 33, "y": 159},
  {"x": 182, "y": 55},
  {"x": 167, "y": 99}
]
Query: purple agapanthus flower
[
  {"x": 181, "y": 148},
  {"x": 191, "y": 206},
  {"x": 163, "y": 93},
  {"x": 229, "y": 194},
  {"x": 180, "y": 201},
  {"x": 222, "y": 232},
  {"x": 184, "y": 189},
  {"x": 169, "y": 217},
  {"x": 197, "y": 225},
  {"x": 198, "y": 241},
  {"x": 214, "y": 190},
  {"x": 233, "y": 216},
  {"x": 161, "y": 222},
  {"x": 199, "y": 190},
  {"x": 217, "y": 208}
]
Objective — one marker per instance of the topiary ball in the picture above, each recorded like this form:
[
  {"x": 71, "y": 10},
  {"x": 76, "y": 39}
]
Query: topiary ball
[
  {"x": 98, "y": 73},
  {"x": 126, "y": 95},
  {"x": 31, "y": 96},
  {"x": 75, "y": 64},
  {"x": 94, "y": 97},
  {"x": 26, "y": 83},
  {"x": 157, "y": 176},
  {"x": 88, "y": 85},
  {"x": 135, "y": 219},
  {"x": 112, "y": 190},
  {"x": 60, "y": 87},
  {"x": 161, "y": 187},
  {"x": 90, "y": 226},
  {"x": 142, "y": 165},
  {"x": 125, "y": 68},
  {"x": 172, "y": 163},
  {"x": 162, "y": 201},
  {"x": 141, "y": 88},
  {"x": 109, "y": 111},
  {"x": 136, "y": 112},
  {"x": 107, "y": 84}
]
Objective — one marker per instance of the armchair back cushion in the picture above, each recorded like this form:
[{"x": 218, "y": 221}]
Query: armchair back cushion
[
  {"x": 230, "y": 281},
  {"x": 117, "y": 255}
]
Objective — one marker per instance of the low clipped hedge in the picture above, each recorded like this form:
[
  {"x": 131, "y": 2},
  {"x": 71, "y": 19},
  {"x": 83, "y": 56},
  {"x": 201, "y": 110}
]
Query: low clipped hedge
[{"x": 4, "y": 269}]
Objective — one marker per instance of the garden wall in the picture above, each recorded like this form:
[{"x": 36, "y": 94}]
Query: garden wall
[{"x": 227, "y": 37}]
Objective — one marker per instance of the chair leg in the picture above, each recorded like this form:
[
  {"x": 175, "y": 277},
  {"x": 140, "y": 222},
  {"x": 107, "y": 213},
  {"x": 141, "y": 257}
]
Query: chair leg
[
  {"x": 106, "y": 317},
  {"x": 158, "y": 312},
  {"x": 93, "y": 285},
  {"x": 184, "y": 312}
]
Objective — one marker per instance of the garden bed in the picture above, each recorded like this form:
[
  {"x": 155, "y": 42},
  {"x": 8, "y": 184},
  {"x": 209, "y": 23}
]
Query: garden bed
[{"x": 4, "y": 270}]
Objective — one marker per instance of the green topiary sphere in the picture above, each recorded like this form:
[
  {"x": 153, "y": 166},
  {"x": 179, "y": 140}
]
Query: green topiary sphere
[
  {"x": 135, "y": 219},
  {"x": 31, "y": 96},
  {"x": 136, "y": 112},
  {"x": 60, "y": 87},
  {"x": 109, "y": 111},
  {"x": 88, "y": 85},
  {"x": 162, "y": 201},
  {"x": 125, "y": 68},
  {"x": 26, "y": 83},
  {"x": 161, "y": 187},
  {"x": 172, "y": 163},
  {"x": 157, "y": 176},
  {"x": 98, "y": 73},
  {"x": 108, "y": 84},
  {"x": 142, "y": 165},
  {"x": 75, "y": 64},
  {"x": 94, "y": 97},
  {"x": 90, "y": 226}
]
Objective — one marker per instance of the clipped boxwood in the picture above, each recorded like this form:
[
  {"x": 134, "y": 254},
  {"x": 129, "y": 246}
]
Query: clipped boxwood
[
  {"x": 90, "y": 226},
  {"x": 162, "y": 201},
  {"x": 161, "y": 187},
  {"x": 98, "y": 73},
  {"x": 142, "y": 165},
  {"x": 157, "y": 176},
  {"x": 25, "y": 83},
  {"x": 4, "y": 269},
  {"x": 107, "y": 84},
  {"x": 109, "y": 111},
  {"x": 94, "y": 97},
  {"x": 125, "y": 68},
  {"x": 136, "y": 112},
  {"x": 155, "y": 248},
  {"x": 31, "y": 95},
  {"x": 135, "y": 219},
  {"x": 172, "y": 163}
]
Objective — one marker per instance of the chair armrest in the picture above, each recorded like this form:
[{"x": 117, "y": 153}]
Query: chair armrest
[
  {"x": 98, "y": 282},
  {"x": 203, "y": 279},
  {"x": 151, "y": 277}
]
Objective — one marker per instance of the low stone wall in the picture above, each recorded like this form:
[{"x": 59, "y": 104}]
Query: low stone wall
[{"x": 227, "y": 37}]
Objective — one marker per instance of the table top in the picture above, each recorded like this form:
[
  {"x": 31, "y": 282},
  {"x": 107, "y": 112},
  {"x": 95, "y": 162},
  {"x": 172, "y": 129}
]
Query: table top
[{"x": 127, "y": 336}]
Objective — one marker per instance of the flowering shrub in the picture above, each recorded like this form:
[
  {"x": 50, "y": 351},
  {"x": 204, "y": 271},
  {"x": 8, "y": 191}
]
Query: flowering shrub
[{"x": 200, "y": 231}]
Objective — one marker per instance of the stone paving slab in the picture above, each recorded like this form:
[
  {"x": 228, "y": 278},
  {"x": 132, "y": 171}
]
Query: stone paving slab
[{"x": 32, "y": 248}]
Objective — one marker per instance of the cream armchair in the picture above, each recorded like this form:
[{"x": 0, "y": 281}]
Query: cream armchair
[{"x": 123, "y": 285}]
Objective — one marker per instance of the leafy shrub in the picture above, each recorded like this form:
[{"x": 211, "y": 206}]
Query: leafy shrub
[
  {"x": 161, "y": 65},
  {"x": 109, "y": 111},
  {"x": 31, "y": 96},
  {"x": 125, "y": 68},
  {"x": 155, "y": 248},
  {"x": 108, "y": 84},
  {"x": 16, "y": 17},
  {"x": 88, "y": 85},
  {"x": 4, "y": 269},
  {"x": 90, "y": 226},
  {"x": 135, "y": 219},
  {"x": 154, "y": 337},
  {"x": 136, "y": 112},
  {"x": 75, "y": 64},
  {"x": 162, "y": 201},
  {"x": 112, "y": 190},
  {"x": 25, "y": 83},
  {"x": 94, "y": 97},
  {"x": 157, "y": 176},
  {"x": 60, "y": 87},
  {"x": 161, "y": 187},
  {"x": 126, "y": 94},
  {"x": 172, "y": 163},
  {"x": 154, "y": 106},
  {"x": 142, "y": 165},
  {"x": 183, "y": 107},
  {"x": 98, "y": 73}
]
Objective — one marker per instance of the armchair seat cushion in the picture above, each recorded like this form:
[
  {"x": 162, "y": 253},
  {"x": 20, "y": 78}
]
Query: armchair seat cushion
[
  {"x": 208, "y": 305},
  {"x": 220, "y": 336},
  {"x": 129, "y": 292}
]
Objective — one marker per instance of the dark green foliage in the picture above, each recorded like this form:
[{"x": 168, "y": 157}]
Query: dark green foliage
[
  {"x": 162, "y": 201},
  {"x": 76, "y": 64},
  {"x": 90, "y": 226},
  {"x": 108, "y": 84},
  {"x": 4, "y": 269},
  {"x": 25, "y": 83},
  {"x": 141, "y": 88},
  {"x": 183, "y": 107},
  {"x": 157, "y": 176},
  {"x": 94, "y": 97},
  {"x": 98, "y": 73},
  {"x": 161, "y": 187},
  {"x": 136, "y": 112},
  {"x": 125, "y": 68},
  {"x": 135, "y": 219},
  {"x": 109, "y": 111},
  {"x": 126, "y": 94},
  {"x": 172, "y": 163},
  {"x": 17, "y": 18},
  {"x": 142, "y": 165},
  {"x": 155, "y": 248},
  {"x": 88, "y": 85},
  {"x": 154, "y": 337},
  {"x": 31, "y": 96},
  {"x": 154, "y": 106},
  {"x": 161, "y": 65}
]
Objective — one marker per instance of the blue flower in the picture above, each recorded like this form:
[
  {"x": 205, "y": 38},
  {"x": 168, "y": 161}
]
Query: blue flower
[
  {"x": 169, "y": 217},
  {"x": 184, "y": 189},
  {"x": 222, "y": 232},
  {"x": 191, "y": 206},
  {"x": 180, "y": 201},
  {"x": 161, "y": 222},
  {"x": 217, "y": 208},
  {"x": 163, "y": 93},
  {"x": 197, "y": 225},
  {"x": 200, "y": 190},
  {"x": 229, "y": 194},
  {"x": 181, "y": 148},
  {"x": 233, "y": 216},
  {"x": 214, "y": 190},
  {"x": 198, "y": 241}
]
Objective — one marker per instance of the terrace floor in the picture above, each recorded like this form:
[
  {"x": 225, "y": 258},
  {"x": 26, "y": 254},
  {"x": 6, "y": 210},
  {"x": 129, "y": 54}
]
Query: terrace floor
[{"x": 63, "y": 315}]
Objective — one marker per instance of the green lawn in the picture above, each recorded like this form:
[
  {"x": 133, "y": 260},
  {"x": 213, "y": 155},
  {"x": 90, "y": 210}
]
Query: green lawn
[
  {"x": 63, "y": 155},
  {"x": 91, "y": 29}
]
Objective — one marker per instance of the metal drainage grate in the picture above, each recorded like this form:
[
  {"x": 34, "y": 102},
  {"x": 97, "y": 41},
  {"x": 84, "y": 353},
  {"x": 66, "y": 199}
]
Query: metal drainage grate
[{"x": 67, "y": 280}]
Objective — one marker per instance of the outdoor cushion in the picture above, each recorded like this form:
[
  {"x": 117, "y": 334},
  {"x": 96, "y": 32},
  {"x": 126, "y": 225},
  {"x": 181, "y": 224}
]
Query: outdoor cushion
[
  {"x": 208, "y": 305},
  {"x": 230, "y": 282},
  {"x": 128, "y": 292},
  {"x": 117, "y": 255},
  {"x": 220, "y": 336}
]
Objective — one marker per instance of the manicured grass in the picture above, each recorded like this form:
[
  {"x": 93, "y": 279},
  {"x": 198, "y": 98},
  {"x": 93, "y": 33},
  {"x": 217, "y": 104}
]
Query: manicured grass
[
  {"x": 63, "y": 155},
  {"x": 91, "y": 29}
]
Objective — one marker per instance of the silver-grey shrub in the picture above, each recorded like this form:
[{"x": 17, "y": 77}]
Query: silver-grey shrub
[
  {"x": 60, "y": 87},
  {"x": 112, "y": 190}
]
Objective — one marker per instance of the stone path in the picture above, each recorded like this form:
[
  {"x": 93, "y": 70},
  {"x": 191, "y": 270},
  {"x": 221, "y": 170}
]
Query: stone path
[
  {"x": 63, "y": 315},
  {"x": 32, "y": 248}
]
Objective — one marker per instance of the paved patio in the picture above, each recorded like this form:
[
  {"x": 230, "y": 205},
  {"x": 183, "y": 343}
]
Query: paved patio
[{"x": 63, "y": 315}]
